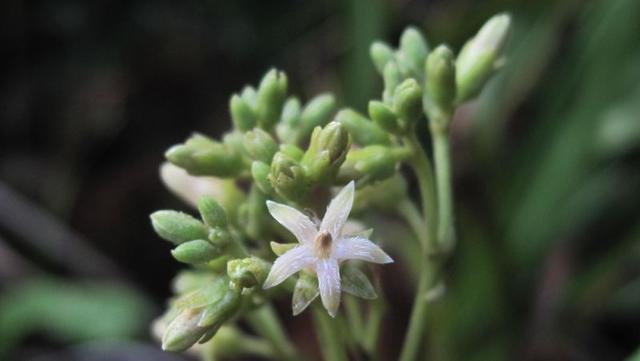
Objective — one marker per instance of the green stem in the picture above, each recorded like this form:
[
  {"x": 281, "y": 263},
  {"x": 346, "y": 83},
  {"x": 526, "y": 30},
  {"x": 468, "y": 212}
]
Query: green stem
[
  {"x": 442, "y": 162},
  {"x": 414, "y": 219},
  {"x": 266, "y": 324},
  {"x": 329, "y": 336},
  {"x": 372, "y": 331},
  {"x": 354, "y": 317}
]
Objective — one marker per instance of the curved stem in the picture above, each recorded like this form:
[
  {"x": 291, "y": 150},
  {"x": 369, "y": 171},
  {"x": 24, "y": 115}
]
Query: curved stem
[
  {"x": 329, "y": 335},
  {"x": 442, "y": 161}
]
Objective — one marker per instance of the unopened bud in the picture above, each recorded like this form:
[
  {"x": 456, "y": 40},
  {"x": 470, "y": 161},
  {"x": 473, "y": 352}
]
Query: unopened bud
[
  {"x": 371, "y": 163},
  {"x": 327, "y": 151},
  {"x": 383, "y": 116},
  {"x": 242, "y": 115},
  {"x": 414, "y": 47},
  {"x": 270, "y": 98},
  {"x": 407, "y": 102},
  {"x": 219, "y": 237},
  {"x": 287, "y": 177},
  {"x": 478, "y": 58},
  {"x": 248, "y": 272},
  {"x": 183, "y": 331},
  {"x": 177, "y": 227},
  {"x": 363, "y": 130},
  {"x": 195, "y": 252},
  {"x": 200, "y": 155},
  {"x": 260, "y": 145},
  {"x": 316, "y": 113},
  {"x": 211, "y": 212},
  {"x": 392, "y": 78},
  {"x": 441, "y": 77},
  {"x": 260, "y": 173},
  {"x": 381, "y": 54},
  {"x": 289, "y": 120}
]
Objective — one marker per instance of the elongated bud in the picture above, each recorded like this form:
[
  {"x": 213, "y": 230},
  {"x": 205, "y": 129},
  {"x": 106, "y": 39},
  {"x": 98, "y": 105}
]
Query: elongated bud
[
  {"x": 220, "y": 311},
  {"x": 219, "y": 237},
  {"x": 381, "y": 54},
  {"x": 196, "y": 252},
  {"x": 407, "y": 102},
  {"x": 249, "y": 95},
  {"x": 260, "y": 145},
  {"x": 177, "y": 227},
  {"x": 270, "y": 98},
  {"x": 327, "y": 151},
  {"x": 441, "y": 77},
  {"x": 289, "y": 120},
  {"x": 414, "y": 47},
  {"x": 248, "y": 272},
  {"x": 211, "y": 212},
  {"x": 371, "y": 163},
  {"x": 287, "y": 177},
  {"x": 392, "y": 79},
  {"x": 383, "y": 116},
  {"x": 183, "y": 331},
  {"x": 260, "y": 174},
  {"x": 363, "y": 130},
  {"x": 242, "y": 115},
  {"x": 316, "y": 113},
  {"x": 200, "y": 155},
  {"x": 292, "y": 151},
  {"x": 477, "y": 60}
]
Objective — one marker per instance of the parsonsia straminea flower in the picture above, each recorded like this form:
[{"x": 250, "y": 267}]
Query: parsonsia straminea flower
[{"x": 321, "y": 250}]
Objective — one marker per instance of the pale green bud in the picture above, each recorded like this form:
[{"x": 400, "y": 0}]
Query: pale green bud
[
  {"x": 200, "y": 155},
  {"x": 260, "y": 173},
  {"x": 407, "y": 102},
  {"x": 316, "y": 113},
  {"x": 183, "y": 331},
  {"x": 441, "y": 77},
  {"x": 363, "y": 131},
  {"x": 249, "y": 95},
  {"x": 383, "y": 116},
  {"x": 248, "y": 272},
  {"x": 219, "y": 237},
  {"x": 371, "y": 163},
  {"x": 270, "y": 98},
  {"x": 287, "y": 177},
  {"x": 243, "y": 116},
  {"x": 292, "y": 151},
  {"x": 260, "y": 145},
  {"x": 286, "y": 129},
  {"x": 177, "y": 227},
  {"x": 478, "y": 58},
  {"x": 211, "y": 212},
  {"x": 195, "y": 252},
  {"x": 392, "y": 78},
  {"x": 381, "y": 54},
  {"x": 414, "y": 47},
  {"x": 220, "y": 311},
  {"x": 327, "y": 151}
]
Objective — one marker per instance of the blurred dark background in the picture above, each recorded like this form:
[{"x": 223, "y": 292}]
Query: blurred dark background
[{"x": 547, "y": 164}]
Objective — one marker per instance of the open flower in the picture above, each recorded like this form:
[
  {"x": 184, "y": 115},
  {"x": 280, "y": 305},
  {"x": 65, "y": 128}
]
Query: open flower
[{"x": 321, "y": 251}]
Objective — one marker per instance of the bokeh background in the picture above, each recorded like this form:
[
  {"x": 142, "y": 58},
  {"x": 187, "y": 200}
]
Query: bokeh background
[{"x": 547, "y": 166}]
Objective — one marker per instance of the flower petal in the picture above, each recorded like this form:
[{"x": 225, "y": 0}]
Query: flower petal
[
  {"x": 328, "y": 272},
  {"x": 338, "y": 211},
  {"x": 289, "y": 263},
  {"x": 361, "y": 249},
  {"x": 304, "y": 293},
  {"x": 293, "y": 220}
]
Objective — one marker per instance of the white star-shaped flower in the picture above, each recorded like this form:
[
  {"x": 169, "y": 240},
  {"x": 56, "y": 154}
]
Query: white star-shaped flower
[{"x": 321, "y": 251}]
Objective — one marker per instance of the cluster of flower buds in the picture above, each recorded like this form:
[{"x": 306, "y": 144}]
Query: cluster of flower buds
[{"x": 297, "y": 154}]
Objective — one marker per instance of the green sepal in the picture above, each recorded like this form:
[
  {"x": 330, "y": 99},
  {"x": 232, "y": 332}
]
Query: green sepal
[
  {"x": 305, "y": 291},
  {"x": 355, "y": 282},
  {"x": 177, "y": 227},
  {"x": 280, "y": 248},
  {"x": 248, "y": 272}
]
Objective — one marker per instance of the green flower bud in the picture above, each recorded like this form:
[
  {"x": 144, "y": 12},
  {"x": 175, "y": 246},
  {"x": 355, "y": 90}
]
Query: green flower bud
[
  {"x": 249, "y": 95},
  {"x": 270, "y": 98},
  {"x": 392, "y": 78},
  {"x": 287, "y": 177},
  {"x": 183, "y": 331},
  {"x": 248, "y": 272},
  {"x": 220, "y": 311},
  {"x": 289, "y": 120},
  {"x": 381, "y": 54},
  {"x": 441, "y": 78},
  {"x": 244, "y": 118},
  {"x": 260, "y": 173},
  {"x": 292, "y": 151},
  {"x": 256, "y": 214},
  {"x": 211, "y": 212},
  {"x": 327, "y": 151},
  {"x": 219, "y": 237},
  {"x": 384, "y": 117},
  {"x": 260, "y": 145},
  {"x": 177, "y": 227},
  {"x": 363, "y": 131},
  {"x": 371, "y": 163},
  {"x": 478, "y": 58},
  {"x": 415, "y": 49},
  {"x": 280, "y": 248},
  {"x": 200, "y": 155},
  {"x": 407, "y": 103},
  {"x": 195, "y": 252},
  {"x": 316, "y": 113}
]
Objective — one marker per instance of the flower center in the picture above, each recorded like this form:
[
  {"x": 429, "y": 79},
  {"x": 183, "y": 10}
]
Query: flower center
[{"x": 322, "y": 244}]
